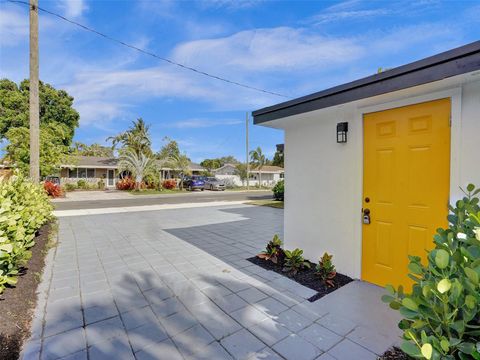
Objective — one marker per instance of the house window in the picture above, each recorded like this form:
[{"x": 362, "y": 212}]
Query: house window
[
  {"x": 82, "y": 173},
  {"x": 90, "y": 173},
  {"x": 282, "y": 176},
  {"x": 72, "y": 173}
]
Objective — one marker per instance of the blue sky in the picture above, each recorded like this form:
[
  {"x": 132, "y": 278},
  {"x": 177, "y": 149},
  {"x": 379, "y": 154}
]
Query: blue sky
[{"x": 289, "y": 47}]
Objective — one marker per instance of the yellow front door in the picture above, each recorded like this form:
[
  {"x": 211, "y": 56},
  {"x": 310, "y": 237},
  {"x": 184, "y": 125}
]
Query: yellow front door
[{"x": 405, "y": 186}]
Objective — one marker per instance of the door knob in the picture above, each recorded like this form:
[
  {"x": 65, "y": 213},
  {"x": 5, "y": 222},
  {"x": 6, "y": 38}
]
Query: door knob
[{"x": 366, "y": 216}]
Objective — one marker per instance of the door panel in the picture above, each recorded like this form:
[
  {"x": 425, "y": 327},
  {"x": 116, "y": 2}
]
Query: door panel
[{"x": 407, "y": 180}]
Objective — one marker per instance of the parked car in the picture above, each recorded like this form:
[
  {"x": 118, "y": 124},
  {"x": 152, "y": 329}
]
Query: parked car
[
  {"x": 194, "y": 182},
  {"x": 212, "y": 183}
]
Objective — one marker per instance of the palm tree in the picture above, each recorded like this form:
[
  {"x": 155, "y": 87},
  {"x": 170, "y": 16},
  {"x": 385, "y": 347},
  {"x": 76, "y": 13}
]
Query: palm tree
[
  {"x": 180, "y": 164},
  {"x": 258, "y": 161},
  {"x": 137, "y": 164},
  {"x": 135, "y": 138}
]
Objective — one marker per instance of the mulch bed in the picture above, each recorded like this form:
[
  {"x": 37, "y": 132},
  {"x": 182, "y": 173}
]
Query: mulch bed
[
  {"x": 394, "y": 354},
  {"x": 17, "y": 304},
  {"x": 306, "y": 277}
]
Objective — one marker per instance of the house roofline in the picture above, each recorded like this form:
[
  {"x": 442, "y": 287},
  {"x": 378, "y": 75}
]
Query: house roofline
[{"x": 453, "y": 62}]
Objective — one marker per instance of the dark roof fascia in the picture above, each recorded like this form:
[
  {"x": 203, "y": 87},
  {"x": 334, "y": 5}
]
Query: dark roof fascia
[{"x": 447, "y": 64}]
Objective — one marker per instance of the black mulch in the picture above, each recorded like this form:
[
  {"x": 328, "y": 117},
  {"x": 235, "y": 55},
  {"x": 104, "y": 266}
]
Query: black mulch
[
  {"x": 394, "y": 354},
  {"x": 306, "y": 277}
]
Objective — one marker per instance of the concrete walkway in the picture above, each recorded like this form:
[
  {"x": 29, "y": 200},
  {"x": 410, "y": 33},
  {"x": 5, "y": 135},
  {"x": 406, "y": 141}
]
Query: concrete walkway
[{"x": 174, "y": 284}]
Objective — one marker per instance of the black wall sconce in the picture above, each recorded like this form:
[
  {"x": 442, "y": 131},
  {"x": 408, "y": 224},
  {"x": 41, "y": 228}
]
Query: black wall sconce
[{"x": 342, "y": 129}]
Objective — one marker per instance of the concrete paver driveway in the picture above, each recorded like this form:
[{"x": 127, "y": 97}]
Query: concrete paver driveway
[{"x": 174, "y": 284}]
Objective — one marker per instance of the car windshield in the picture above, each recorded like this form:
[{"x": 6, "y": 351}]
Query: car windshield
[{"x": 196, "y": 177}]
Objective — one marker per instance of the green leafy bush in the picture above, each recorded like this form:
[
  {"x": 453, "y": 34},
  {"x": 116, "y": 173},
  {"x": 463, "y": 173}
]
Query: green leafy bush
[
  {"x": 326, "y": 270},
  {"x": 24, "y": 208},
  {"x": 294, "y": 261},
  {"x": 442, "y": 314},
  {"x": 274, "y": 251},
  {"x": 279, "y": 190},
  {"x": 70, "y": 186},
  {"x": 82, "y": 184}
]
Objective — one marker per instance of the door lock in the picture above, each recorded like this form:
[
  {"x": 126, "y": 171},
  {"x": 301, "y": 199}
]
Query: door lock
[{"x": 366, "y": 216}]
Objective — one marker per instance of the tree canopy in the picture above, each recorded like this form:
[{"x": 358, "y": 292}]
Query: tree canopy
[
  {"x": 92, "y": 150},
  {"x": 170, "y": 149},
  {"x": 135, "y": 138},
  {"x": 53, "y": 150},
  {"x": 56, "y": 107}
]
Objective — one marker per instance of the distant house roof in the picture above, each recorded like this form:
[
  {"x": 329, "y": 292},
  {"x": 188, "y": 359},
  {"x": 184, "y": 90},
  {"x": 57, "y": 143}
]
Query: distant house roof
[
  {"x": 450, "y": 63},
  {"x": 93, "y": 162},
  {"x": 112, "y": 163},
  {"x": 268, "y": 169}
]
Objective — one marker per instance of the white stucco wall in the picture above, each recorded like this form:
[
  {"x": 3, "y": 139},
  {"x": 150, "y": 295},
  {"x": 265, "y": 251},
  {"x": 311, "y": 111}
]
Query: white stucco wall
[{"x": 323, "y": 209}]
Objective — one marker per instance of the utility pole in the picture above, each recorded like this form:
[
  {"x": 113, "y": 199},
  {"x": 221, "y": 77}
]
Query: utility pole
[
  {"x": 34, "y": 99},
  {"x": 246, "y": 159}
]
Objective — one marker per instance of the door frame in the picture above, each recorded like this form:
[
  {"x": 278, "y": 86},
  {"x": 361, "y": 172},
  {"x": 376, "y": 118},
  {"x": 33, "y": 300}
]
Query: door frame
[
  {"x": 108, "y": 178},
  {"x": 455, "y": 95}
]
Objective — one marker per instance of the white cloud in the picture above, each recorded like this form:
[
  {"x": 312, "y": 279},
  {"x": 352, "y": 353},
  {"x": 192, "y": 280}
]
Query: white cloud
[
  {"x": 348, "y": 15},
  {"x": 73, "y": 8},
  {"x": 203, "y": 123},
  {"x": 274, "y": 49}
]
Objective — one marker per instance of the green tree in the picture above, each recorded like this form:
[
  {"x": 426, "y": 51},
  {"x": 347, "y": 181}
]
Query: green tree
[
  {"x": 258, "y": 161},
  {"x": 211, "y": 164},
  {"x": 228, "y": 160},
  {"x": 277, "y": 159},
  {"x": 180, "y": 164},
  {"x": 135, "y": 138},
  {"x": 53, "y": 151},
  {"x": 241, "y": 171},
  {"x": 55, "y": 108},
  {"x": 92, "y": 150},
  {"x": 168, "y": 150},
  {"x": 138, "y": 164}
]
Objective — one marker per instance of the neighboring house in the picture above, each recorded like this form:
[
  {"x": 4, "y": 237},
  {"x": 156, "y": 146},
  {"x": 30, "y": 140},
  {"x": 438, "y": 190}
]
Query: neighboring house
[
  {"x": 409, "y": 139},
  {"x": 270, "y": 175},
  {"x": 94, "y": 169}
]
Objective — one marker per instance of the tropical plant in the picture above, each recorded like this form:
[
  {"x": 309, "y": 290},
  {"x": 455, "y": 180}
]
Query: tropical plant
[
  {"x": 279, "y": 190},
  {"x": 294, "y": 261},
  {"x": 137, "y": 164},
  {"x": 180, "y": 165},
  {"x": 82, "y": 184},
  {"x": 168, "y": 150},
  {"x": 442, "y": 313},
  {"x": 274, "y": 251},
  {"x": 127, "y": 183},
  {"x": 70, "y": 186},
  {"x": 101, "y": 184},
  {"x": 326, "y": 270},
  {"x": 24, "y": 208},
  {"x": 53, "y": 190},
  {"x": 136, "y": 139},
  {"x": 258, "y": 161},
  {"x": 169, "y": 184}
]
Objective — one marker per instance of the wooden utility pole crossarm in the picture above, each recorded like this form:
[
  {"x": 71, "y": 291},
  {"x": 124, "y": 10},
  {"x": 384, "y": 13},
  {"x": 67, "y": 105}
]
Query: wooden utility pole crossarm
[{"x": 34, "y": 98}]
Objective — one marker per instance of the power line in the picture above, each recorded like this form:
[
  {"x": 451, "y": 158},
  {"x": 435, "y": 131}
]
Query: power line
[{"x": 146, "y": 52}]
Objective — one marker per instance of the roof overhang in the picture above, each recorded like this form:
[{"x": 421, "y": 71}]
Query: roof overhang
[{"x": 454, "y": 62}]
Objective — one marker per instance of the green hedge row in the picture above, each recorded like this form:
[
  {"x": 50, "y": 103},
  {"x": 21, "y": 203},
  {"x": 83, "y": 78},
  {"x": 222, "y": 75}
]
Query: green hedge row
[{"x": 24, "y": 208}]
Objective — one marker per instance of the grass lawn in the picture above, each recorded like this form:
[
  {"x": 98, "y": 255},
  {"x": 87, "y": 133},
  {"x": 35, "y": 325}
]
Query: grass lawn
[
  {"x": 271, "y": 203},
  {"x": 156, "y": 192}
]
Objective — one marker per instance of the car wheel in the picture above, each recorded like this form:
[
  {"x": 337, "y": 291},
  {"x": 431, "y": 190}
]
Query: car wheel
[
  {"x": 211, "y": 187},
  {"x": 190, "y": 188},
  {"x": 203, "y": 189}
]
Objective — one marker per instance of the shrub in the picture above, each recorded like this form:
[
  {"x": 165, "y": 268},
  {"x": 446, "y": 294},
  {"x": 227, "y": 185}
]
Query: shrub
[
  {"x": 53, "y": 190},
  {"x": 24, "y": 208},
  {"x": 294, "y": 261},
  {"x": 70, "y": 186},
  {"x": 82, "y": 184},
  {"x": 442, "y": 314},
  {"x": 326, "y": 270},
  {"x": 279, "y": 190},
  {"x": 274, "y": 251},
  {"x": 169, "y": 184},
  {"x": 125, "y": 184},
  {"x": 101, "y": 184}
]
